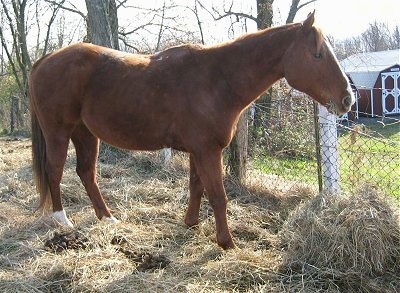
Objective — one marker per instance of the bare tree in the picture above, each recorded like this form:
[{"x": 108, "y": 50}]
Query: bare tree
[
  {"x": 156, "y": 28},
  {"x": 376, "y": 37},
  {"x": 17, "y": 19},
  {"x": 347, "y": 47},
  {"x": 264, "y": 13},
  {"x": 295, "y": 7},
  {"x": 17, "y": 54},
  {"x": 160, "y": 32},
  {"x": 102, "y": 22},
  {"x": 55, "y": 8},
  {"x": 195, "y": 10},
  {"x": 395, "y": 41}
]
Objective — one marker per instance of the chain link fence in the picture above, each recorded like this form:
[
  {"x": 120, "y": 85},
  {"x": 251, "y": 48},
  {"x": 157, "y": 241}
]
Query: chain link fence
[
  {"x": 370, "y": 154},
  {"x": 291, "y": 141}
]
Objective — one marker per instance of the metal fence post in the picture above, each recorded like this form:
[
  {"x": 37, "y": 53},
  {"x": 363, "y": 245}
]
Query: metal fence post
[
  {"x": 166, "y": 155},
  {"x": 329, "y": 150}
]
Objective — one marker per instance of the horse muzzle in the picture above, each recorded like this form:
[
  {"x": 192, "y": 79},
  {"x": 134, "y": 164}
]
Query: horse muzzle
[
  {"x": 340, "y": 109},
  {"x": 347, "y": 102}
]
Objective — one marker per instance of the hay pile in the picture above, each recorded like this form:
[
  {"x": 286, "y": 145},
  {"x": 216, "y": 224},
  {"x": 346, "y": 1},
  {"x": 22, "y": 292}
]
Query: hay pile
[
  {"x": 287, "y": 240},
  {"x": 342, "y": 244}
]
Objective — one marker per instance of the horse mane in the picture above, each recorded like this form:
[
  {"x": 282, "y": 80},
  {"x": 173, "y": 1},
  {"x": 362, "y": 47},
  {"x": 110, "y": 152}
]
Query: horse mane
[
  {"x": 187, "y": 49},
  {"x": 254, "y": 37}
]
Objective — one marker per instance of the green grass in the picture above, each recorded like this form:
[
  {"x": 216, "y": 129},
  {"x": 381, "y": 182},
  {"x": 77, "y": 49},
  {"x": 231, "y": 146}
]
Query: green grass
[
  {"x": 296, "y": 169},
  {"x": 368, "y": 155},
  {"x": 371, "y": 156}
]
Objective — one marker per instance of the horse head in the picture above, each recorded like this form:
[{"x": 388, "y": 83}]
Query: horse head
[{"x": 311, "y": 66}]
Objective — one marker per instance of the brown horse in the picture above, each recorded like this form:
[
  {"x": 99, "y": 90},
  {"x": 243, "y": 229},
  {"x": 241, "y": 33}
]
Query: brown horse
[{"x": 188, "y": 98}]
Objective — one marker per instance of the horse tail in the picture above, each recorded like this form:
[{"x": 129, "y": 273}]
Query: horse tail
[{"x": 38, "y": 155}]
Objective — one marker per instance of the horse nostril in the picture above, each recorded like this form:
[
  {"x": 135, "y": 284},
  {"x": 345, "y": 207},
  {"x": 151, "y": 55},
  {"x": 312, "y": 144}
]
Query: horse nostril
[{"x": 347, "y": 101}]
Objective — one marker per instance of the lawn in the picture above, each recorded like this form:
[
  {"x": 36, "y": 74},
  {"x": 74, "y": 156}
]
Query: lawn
[{"x": 369, "y": 154}]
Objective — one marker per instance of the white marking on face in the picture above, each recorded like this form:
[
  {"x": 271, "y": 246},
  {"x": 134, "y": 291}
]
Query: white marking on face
[
  {"x": 349, "y": 89},
  {"x": 61, "y": 218}
]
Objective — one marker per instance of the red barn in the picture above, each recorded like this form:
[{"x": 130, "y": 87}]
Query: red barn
[{"x": 376, "y": 78}]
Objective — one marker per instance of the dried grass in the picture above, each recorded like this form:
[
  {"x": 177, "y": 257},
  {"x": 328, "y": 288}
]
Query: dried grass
[
  {"x": 326, "y": 245},
  {"x": 343, "y": 244}
]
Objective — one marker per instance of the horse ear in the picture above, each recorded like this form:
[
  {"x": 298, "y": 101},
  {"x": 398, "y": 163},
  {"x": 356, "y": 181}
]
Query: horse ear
[{"x": 308, "y": 23}]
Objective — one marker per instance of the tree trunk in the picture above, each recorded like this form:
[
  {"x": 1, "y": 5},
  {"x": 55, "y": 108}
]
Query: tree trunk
[
  {"x": 264, "y": 13},
  {"x": 238, "y": 148},
  {"x": 102, "y": 22},
  {"x": 17, "y": 51}
]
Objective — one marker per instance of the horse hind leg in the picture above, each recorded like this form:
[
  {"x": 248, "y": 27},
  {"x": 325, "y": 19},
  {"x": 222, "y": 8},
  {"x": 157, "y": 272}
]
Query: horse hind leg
[
  {"x": 87, "y": 150},
  {"x": 56, "y": 154}
]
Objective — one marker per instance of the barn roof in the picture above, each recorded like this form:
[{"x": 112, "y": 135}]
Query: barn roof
[{"x": 364, "y": 68}]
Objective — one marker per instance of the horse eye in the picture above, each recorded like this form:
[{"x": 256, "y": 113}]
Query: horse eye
[{"x": 318, "y": 55}]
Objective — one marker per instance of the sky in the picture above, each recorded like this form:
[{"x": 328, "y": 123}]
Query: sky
[
  {"x": 339, "y": 19},
  {"x": 344, "y": 18}
]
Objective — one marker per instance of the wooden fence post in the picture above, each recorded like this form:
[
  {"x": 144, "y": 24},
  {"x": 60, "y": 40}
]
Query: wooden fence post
[{"x": 14, "y": 114}]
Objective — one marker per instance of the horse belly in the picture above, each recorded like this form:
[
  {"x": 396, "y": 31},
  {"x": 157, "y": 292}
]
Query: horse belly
[{"x": 129, "y": 133}]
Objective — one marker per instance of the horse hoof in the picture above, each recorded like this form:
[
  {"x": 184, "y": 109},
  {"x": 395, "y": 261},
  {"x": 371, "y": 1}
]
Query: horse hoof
[
  {"x": 226, "y": 243},
  {"x": 227, "y": 246},
  {"x": 61, "y": 218},
  {"x": 111, "y": 220}
]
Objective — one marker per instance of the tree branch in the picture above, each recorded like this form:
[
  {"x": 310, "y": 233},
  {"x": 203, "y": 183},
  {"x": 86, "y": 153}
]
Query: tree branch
[
  {"x": 52, "y": 18},
  {"x": 217, "y": 16},
  {"x": 66, "y": 8},
  {"x": 123, "y": 40},
  {"x": 138, "y": 28},
  {"x": 302, "y": 5},
  {"x": 121, "y": 3},
  {"x": 295, "y": 7}
]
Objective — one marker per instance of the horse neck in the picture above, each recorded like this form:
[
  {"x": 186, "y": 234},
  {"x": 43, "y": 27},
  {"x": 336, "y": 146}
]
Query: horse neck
[{"x": 251, "y": 64}]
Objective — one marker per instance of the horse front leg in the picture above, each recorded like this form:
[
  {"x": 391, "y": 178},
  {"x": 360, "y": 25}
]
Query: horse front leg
[
  {"x": 209, "y": 170},
  {"x": 196, "y": 190}
]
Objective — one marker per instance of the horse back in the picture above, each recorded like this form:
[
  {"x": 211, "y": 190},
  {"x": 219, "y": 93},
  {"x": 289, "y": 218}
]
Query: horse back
[{"x": 134, "y": 101}]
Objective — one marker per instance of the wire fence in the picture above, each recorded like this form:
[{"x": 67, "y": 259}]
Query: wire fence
[
  {"x": 287, "y": 141},
  {"x": 286, "y": 144}
]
